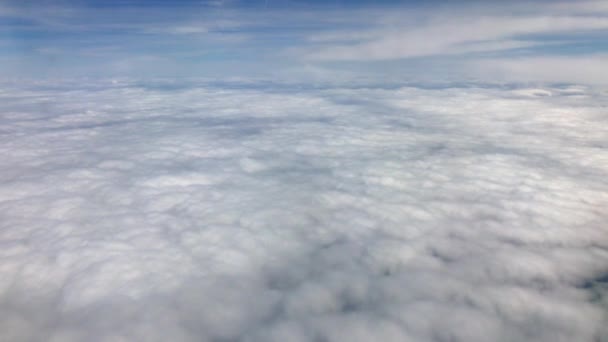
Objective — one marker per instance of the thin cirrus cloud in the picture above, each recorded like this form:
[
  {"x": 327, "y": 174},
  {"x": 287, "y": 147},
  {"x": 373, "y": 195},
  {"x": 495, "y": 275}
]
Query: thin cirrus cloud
[
  {"x": 201, "y": 39},
  {"x": 548, "y": 42},
  {"x": 442, "y": 36}
]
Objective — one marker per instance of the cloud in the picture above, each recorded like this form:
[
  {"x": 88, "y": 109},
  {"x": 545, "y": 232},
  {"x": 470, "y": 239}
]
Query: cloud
[
  {"x": 571, "y": 69},
  {"x": 442, "y": 35},
  {"x": 182, "y": 29},
  {"x": 585, "y": 7},
  {"x": 434, "y": 41},
  {"x": 269, "y": 212}
]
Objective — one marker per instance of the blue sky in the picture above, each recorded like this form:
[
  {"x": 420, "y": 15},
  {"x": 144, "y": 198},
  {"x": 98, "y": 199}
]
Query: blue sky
[{"x": 312, "y": 40}]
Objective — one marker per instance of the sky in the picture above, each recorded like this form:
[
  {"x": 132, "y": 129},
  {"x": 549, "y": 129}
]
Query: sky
[
  {"x": 292, "y": 171},
  {"x": 319, "y": 40}
]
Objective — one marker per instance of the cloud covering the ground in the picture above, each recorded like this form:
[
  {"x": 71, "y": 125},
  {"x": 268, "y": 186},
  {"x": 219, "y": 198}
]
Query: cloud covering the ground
[{"x": 267, "y": 212}]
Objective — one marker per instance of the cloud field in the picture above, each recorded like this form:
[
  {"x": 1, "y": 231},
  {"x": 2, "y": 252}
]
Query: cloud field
[{"x": 281, "y": 212}]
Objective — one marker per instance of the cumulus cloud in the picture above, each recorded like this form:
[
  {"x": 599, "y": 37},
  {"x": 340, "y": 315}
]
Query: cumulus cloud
[{"x": 260, "y": 212}]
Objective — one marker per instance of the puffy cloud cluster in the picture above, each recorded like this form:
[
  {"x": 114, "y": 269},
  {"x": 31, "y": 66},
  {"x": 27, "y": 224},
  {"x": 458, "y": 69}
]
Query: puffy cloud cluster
[{"x": 244, "y": 212}]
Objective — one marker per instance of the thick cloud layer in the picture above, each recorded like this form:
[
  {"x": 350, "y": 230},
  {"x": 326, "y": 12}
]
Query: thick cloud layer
[{"x": 205, "y": 212}]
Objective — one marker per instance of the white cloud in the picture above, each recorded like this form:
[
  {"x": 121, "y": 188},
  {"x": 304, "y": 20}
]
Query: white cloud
[
  {"x": 191, "y": 212},
  {"x": 187, "y": 29},
  {"x": 589, "y": 69},
  {"x": 199, "y": 40},
  {"x": 442, "y": 35}
]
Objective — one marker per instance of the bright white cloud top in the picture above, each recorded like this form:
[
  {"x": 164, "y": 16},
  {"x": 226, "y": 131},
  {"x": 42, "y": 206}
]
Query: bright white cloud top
[{"x": 205, "y": 212}]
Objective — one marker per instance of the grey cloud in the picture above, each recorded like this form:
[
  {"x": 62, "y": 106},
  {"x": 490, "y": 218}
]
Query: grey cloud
[{"x": 262, "y": 213}]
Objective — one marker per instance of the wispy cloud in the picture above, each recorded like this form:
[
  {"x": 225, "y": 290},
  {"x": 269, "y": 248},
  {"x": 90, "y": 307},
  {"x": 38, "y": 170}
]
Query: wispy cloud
[
  {"x": 437, "y": 40},
  {"x": 448, "y": 35}
]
